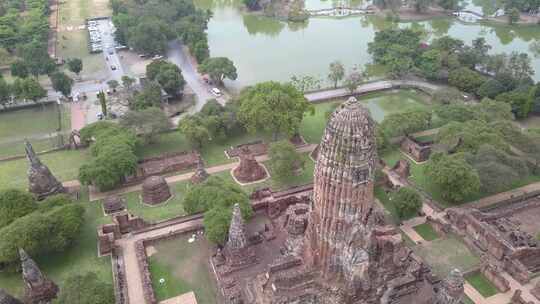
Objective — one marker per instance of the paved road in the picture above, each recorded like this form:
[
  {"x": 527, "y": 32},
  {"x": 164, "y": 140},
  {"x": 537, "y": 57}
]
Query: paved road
[
  {"x": 178, "y": 56},
  {"x": 369, "y": 87},
  {"x": 109, "y": 52}
]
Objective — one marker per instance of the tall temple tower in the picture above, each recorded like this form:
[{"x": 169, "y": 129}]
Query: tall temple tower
[
  {"x": 38, "y": 288},
  {"x": 452, "y": 289},
  {"x": 343, "y": 187}
]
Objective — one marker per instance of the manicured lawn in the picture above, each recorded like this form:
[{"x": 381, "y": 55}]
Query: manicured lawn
[
  {"x": 171, "y": 209},
  {"x": 426, "y": 232},
  {"x": 213, "y": 153},
  {"x": 420, "y": 179},
  {"x": 445, "y": 254},
  {"x": 275, "y": 184},
  {"x": 184, "y": 267},
  {"x": 81, "y": 257},
  {"x": 29, "y": 121},
  {"x": 312, "y": 127},
  {"x": 75, "y": 45},
  {"x": 63, "y": 164},
  {"x": 482, "y": 285}
]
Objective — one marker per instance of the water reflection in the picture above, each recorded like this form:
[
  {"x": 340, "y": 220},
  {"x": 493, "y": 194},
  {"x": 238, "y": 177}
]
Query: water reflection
[{"x": 267, "y": 49}]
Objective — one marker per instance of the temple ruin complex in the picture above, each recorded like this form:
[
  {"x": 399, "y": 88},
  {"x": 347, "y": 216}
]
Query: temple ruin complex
[{"x": 335, "y": 246}]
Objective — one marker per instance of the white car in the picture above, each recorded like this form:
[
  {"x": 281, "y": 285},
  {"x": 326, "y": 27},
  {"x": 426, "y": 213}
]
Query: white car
[{"x": 216, "y": 92}]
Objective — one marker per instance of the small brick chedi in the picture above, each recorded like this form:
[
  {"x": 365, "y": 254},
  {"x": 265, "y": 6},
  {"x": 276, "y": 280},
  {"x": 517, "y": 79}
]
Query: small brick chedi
[
  {"x": 37, "y": 289},
  {"x": 200, "y": 174},
  {"x": 6, "y": 298},
  {"x": 345, "y": 253},
  {"x": 41, "y": 182},
  {"x": 155, "y": 190}
]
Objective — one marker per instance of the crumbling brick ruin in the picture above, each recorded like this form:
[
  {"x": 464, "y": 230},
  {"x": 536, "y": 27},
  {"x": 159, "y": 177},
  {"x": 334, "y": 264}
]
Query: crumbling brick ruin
[
  {"x": 336, "y": 247},
  {"x": 498, "y": 234},
  {"x": 249, "y": 170},
  {"x": 200, "y": 174},
  {"x": 41, "y": 182},
  {"x": 38, "y": 289},
  {"x": 155, "y": 190},
  {"x": 418, "y": 150},
  {"x": 167, "y": 163}
]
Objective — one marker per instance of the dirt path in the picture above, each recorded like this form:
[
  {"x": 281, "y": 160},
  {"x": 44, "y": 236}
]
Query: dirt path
[
  {"x": 133, "y": 272},
  {"x": 97, "y": 195}
]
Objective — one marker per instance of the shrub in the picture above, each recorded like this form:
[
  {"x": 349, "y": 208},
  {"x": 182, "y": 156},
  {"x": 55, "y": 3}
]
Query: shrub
[{"x": 15, "y": 204}]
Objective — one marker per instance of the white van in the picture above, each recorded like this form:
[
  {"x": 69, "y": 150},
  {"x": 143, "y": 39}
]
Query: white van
[{"x": 216, "y": 92}]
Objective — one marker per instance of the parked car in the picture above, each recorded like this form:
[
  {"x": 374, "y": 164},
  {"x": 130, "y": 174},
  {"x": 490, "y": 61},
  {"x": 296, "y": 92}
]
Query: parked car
[
  {"x": 113, "y": 67},
  {"x": 99, "y": 116}
]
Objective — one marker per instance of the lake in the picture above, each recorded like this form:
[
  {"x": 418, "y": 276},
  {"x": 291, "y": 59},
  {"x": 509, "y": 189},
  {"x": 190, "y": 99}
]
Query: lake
[{"x": 264, "y": 48}]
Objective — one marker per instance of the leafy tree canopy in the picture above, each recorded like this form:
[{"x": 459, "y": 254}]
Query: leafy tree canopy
[
  {"x": 407, "y": 201},
  {"x": 284, "y": 159},
  {"x": 85, "y": 288}
]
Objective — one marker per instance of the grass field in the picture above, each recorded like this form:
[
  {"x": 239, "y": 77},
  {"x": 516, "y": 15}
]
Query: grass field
[
  {"x": 420, "y": 179},
  {"x": 185, "y": 267},
  {"x": 426, "y": 231},
  {"x": 81, "y": 257},
  {"x": 171, "y": 209},
  {"x": 63, "y": 164},
  {"x": 444, "y": 254},
  {"x": 37, "y": 124},
  {"x": 384, "y": 198},
  {"x": 482, "y": 285}
]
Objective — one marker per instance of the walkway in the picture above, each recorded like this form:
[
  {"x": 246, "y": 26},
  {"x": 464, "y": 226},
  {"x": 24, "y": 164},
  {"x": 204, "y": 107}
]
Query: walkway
[
  {"x": 97, "y": 195},
  {"x": 375, "y": 86},
  {"x": 133, "y": 272}
]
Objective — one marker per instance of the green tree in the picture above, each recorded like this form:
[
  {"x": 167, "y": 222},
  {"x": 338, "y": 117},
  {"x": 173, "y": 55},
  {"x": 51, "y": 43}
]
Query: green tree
[
  {"x": 421, "y": 5},
  {"x": 61, "y": 83},
  {"x": 127, "y": 82},
  {"x": 521, "y": 102},
  {"x": 285, "y": 161},
  {"x": 150, "y": 96},
  {"x": 454, "y": 177},
  {"x": 194, "y": 130},
  {"x": 216, "y": 197},
  {"x": 113, "y": 84},
  {"x": 431, "y": 64},
  {"x": 113, "y": 155},
  {"x": 490, "y": 89},
  {"x": 337, "y": 72},
  {"x": 407, "y": 202},
  {"x": 19, "y": 69},
  {"x": 75, "y": 65},
  {"x": 447, "y": 96},
  {"x": 353, "y": 80},
  {"x": 469, "y": 136},
  {"x": 513, "y": 16},
  {"x": 465, "y": 79},
  {"x": 168, "y": 75},
  {"x": 305, "y": 83},
  {"x": 148, "y": 37},
  {"x": 456, "y": 112},
  {"x": 36, "y": 58},
  {"x": 44, "y": 232},
  {"x": 5, "y": 92},
  {"x": 103, "y": 102},
  {"x": 148, "y": 123},
  {"x": 272, "y": 106},
  {"x": 85, "y": 288},
  {"x": 28, "y": 89},
  {"x": 398, "y": 124},
  {"x": 251, "y": 4},
  {"x": 219, "y": 68},
  {"x": 14, "y": 204}
]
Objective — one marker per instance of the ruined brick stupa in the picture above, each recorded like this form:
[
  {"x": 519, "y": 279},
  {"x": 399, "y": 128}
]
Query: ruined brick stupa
[
  {"x": 249, "y": 170},
  {"x": 41, "y": 182},
  {"x": 38, "y": 289},
  {"x": 349, "y": 255},
  {"x": 6, "y": 298}
]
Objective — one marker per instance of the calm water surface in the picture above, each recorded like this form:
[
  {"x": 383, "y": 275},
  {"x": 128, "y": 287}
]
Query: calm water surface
[{"x": 266, "y": 49}]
